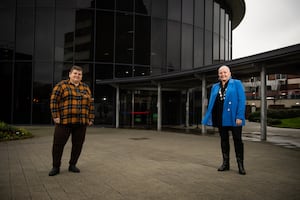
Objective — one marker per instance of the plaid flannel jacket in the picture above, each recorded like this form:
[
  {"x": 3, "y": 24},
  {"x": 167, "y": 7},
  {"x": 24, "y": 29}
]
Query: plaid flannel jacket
[{"x": 72, "y": 104}]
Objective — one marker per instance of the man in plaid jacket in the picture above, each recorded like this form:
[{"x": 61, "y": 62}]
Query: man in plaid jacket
[{"x": 72, "y": 109}]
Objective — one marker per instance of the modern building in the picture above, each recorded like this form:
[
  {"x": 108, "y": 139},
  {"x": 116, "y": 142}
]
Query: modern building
[{"x": 148, "y": 62}]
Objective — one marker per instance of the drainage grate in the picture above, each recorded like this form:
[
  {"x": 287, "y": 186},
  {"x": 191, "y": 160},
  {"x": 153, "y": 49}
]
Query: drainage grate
[{"x": 139, "y": 138}]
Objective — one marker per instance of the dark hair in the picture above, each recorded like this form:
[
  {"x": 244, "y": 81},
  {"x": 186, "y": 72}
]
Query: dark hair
[{"x": 75, "y": 67}]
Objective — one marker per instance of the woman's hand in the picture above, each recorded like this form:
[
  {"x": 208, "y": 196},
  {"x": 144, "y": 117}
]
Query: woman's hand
[{"x": 238, "y": 122}]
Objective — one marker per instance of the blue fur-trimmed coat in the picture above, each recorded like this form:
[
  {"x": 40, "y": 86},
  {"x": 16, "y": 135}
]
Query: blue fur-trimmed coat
[{"x": 234, "y": 104}]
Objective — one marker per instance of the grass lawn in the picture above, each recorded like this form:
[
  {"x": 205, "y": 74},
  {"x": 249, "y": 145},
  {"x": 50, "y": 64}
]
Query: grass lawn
[{"x": 289, "y": 123}]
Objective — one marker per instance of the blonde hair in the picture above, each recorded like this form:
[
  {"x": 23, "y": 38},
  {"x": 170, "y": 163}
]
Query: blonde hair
[{"x": 224, "y": 66}]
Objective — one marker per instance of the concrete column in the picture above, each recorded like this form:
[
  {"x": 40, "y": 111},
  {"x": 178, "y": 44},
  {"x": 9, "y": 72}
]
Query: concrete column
[
  {"x": 117, "y": 106},
  {"x": 204, "y": 101},
  {"x": 263, "y": 104},
  {"x": 187, "y": 108},
  {"x": 159, "y": 107}
]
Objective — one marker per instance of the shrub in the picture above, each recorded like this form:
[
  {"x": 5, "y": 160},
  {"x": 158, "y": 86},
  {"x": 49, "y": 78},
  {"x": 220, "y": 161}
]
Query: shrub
[
  {"x": 271, "y": 121},
  {"x": 8, "y": 132},
  {"x": 254, "y": 117},
  {"x": 275, "y": 114}
]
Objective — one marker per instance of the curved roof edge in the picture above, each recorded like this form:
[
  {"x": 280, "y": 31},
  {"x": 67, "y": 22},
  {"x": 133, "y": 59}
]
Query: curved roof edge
[{"x": 238, "y": 9}]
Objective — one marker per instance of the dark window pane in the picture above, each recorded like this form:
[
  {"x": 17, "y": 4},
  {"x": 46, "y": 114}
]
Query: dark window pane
[
  {"x": 142, "y": 6},
  {"x": 24, "y": 33},
  {"x": 123, "y": 71},
  {"x": 8, "y": 4},
  {"x": 208, "y": 48},
  {"x": 159, "y": 8},
  {"x": 141, "y": 71},
  {"x": 44, "y": 35},
  {"x": 174, "y": 10},
  {"x": 103, "y": 71},
  {"x": 199, "y": 13},
  {"x": 216, "y": 41},
  {"x": 105, "y": 4},
  {"x": 42, "y": 87},
  {"x": 85, "y": 3},
  {"x": 6, "y": 88},
  {"x": 222, "y": 34},
  {"x": 187, "y": 11},
  {"x": 7, "y": 41},
  {"x": 216, "y": 47},
  {"x": 226, "y": 37},
  {"x": 104, "y": 104},
  {"x": 187, "y": 47},
  {"x": 222, "y": 22},
  {"x": 142, "y": 40},
  {"x": 124, "y": 38},
  {"x": 229, "y": 51},
  {"x": 158, "y": 43},
  {"x": 125, "y": 5},
  {"x": 198, "y": 47},
  {"x": 22, "y": 93},
  {"x": 125, "y": 107},
  {"x": 216, "y": 18},
  {"x": 25, "y": 3},
  {"x": 173, "y": 50},
  {"x": 208, "y": 32},
  {"x": 84, "y": 41},
  {"x": 64, "y": 36},
  {"x": 75, "y": 3},
  {"x": 45, "y": 3},
  {"x": 104, "y": 36},
  {"x": 208, "y": 15}
]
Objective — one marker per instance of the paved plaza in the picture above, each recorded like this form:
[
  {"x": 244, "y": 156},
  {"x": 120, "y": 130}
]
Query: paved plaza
[{"x": 127, "y": 164}]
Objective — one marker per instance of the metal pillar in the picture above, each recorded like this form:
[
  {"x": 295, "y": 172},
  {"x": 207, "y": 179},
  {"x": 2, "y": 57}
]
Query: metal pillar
[
  {"x": 204, "y": 101},
  {"x": 159, "y": 107},
  {"x": 132, "y": 109},
  {"x": 117, "y": 106},
  {"x": 187, "y": 108},
  {"x": 263, "y": 105}
]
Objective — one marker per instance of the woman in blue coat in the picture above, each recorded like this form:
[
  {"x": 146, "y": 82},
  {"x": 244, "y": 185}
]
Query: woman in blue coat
[{"x": 226, "y": 111}]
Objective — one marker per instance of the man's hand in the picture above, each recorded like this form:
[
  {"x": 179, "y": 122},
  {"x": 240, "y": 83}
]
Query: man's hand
[
  {"x": 56, "y": 120},
  {"x": 91, "y": 122}
]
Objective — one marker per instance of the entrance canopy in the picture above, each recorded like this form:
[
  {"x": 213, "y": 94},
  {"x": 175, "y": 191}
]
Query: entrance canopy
[{"x": 281, "y": 61}]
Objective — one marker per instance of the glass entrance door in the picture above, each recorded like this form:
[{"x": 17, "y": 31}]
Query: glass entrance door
[{"x": 138, "y": 109}]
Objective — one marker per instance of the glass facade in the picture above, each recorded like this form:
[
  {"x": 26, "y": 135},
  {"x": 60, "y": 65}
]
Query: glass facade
[{"x": 110, "y": 39}]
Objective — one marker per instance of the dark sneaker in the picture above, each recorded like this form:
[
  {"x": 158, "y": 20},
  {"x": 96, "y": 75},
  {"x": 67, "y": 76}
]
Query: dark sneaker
[
  {"x": 73, "y": 168},
  {"x": 54, "y": 171}
]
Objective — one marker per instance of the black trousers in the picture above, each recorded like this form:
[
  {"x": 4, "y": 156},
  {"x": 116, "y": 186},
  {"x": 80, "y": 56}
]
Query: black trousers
[
  {"x": 61, "y": 136},
  {"x": 237, "y": 139}
]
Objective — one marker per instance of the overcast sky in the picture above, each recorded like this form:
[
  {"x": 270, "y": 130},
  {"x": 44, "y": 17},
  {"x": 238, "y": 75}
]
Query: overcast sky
[{"x": 267, "y": 25}]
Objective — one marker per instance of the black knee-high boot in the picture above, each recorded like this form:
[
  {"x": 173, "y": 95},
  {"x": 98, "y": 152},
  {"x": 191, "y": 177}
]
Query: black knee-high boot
[
  {"x": 239, "y": 151},
  {"x": 225, "y": 154}
]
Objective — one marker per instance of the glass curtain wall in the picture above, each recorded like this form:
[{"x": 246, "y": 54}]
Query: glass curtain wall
[{"x": 110, "y": 39}]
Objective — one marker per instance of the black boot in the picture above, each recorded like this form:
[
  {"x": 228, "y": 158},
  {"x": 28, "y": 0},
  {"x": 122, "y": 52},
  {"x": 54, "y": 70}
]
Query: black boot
[
  {"x": 240, "y": 163},
  {"x": 225, "y": 165},
  {"x": 239, "y": 151},
  {"x": 225, "y": 154}
]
